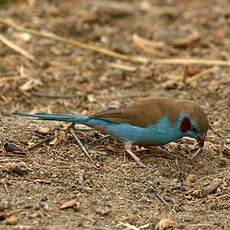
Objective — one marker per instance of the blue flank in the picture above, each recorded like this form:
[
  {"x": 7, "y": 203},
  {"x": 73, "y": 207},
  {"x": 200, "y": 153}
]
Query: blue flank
[
  {"x": 158, "y": 134},
  {"x": 161, "y": 133}
]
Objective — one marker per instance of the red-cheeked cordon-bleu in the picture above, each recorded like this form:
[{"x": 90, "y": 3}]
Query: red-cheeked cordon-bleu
[{"x": 150, "y": 121}]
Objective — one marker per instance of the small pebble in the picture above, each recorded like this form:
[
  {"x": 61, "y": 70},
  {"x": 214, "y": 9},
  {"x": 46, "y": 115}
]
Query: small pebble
[
  {"x": 191, "y": 178},
  {"x": 165, "y": 224},
  {"x": 11, "y": 220},
  {"x": 10, "y": 147},
  {"x": 70, "y": 204},
  {"x": 43, "y": 130}
]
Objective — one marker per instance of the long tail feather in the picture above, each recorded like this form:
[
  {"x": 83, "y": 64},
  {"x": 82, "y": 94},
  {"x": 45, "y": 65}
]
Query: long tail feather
[{"x": 55, "y": 117}]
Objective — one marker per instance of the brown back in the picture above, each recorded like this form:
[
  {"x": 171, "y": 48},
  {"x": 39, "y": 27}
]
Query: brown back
[{"x": 149, "y": 111}]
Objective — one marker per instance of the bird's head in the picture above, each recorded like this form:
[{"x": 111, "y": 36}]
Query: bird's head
[{"x": 194, "y": 124}]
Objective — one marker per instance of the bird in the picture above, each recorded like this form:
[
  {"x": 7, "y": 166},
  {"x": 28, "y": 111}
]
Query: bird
[{"x": 152, "y": 121}]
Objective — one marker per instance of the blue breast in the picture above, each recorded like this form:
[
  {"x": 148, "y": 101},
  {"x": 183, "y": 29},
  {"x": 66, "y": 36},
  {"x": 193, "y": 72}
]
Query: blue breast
[{"x": 158, "y": 134}]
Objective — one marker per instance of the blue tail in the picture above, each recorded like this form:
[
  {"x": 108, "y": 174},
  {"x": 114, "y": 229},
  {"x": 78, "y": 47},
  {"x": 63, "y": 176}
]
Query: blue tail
[
  {"x": 78, "y": 119},
  {"x": 56, "y": 117}
]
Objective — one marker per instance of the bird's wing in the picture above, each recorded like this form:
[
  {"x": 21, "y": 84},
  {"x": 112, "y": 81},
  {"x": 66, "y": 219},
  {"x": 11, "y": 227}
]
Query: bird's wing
[{"x": 143, "y": 113}]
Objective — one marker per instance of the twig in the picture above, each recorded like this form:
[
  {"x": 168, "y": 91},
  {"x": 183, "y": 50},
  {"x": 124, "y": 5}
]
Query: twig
[
  {"x": 140, "y": 59},
  {"x": 81, "y": 145},
  {"x": 96, "y": 227},
  {"x": 191, "y": 61},
  {"x": 4, "y": 184},
  {"x": 100, "y": 139},
  {"x": 75, "y": 43},
  {"x": 81, "y": 177},
  {"x": 157, "y": 195},
  {"x": 12, "y": 78},
  {"x": 17, "y": 49},
  {"x": 8, "y": 74},
  {"x": 185, "y": 74},
  {"x": 201, "y": 226},
  {"x": 161, "y": 198},
  {"x": 145, "y": 226},
  {"x": 215, "y": 184},
  {"x": 53, "y": 96},
  {"x": 201, "y": 74},
  {"x": 80, "y": 128},
  {"x": 212, "y": 187},
  {"x": 142, "y": 44},
  {"x": 3, "y": 159},
  {"x": 123, "y": 67},
  {"x": 129, "y": 226},
  {"x": 39, "y": 143}
]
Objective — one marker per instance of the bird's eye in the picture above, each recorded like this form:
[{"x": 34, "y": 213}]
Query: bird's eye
[{"x": 194, "y": 130}]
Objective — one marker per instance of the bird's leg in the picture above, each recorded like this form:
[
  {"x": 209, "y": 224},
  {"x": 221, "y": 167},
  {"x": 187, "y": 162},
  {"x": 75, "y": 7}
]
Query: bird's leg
[
  {"x": 128, "y": 149},
  {"x": 198, "y": 151},
  {"x": 71, "y": 126}
]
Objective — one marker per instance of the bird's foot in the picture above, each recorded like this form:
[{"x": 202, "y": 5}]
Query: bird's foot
[
  {"x": 158, "y": 152},
  {"x": 129, "y": 151},
  {"x": 197, "y": 153}
]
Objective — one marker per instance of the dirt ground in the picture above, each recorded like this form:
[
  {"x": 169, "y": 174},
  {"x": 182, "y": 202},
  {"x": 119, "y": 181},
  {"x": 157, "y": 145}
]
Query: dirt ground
[{"x": 49, "y": 169}]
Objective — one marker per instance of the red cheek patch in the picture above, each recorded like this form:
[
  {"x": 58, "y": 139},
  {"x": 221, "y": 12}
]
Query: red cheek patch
[{"x": 185, "y": 125}]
